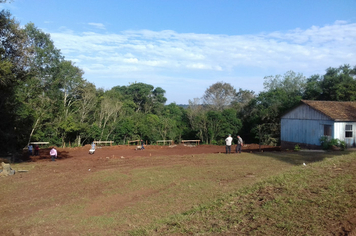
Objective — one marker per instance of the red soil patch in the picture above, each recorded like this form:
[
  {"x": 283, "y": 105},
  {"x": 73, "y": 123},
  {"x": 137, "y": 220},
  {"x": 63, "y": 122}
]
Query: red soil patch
[{"x": 125, "y": 151}]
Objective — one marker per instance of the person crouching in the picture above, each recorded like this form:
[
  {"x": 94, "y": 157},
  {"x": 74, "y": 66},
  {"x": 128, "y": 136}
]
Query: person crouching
[{"x": 53, "y": 154}]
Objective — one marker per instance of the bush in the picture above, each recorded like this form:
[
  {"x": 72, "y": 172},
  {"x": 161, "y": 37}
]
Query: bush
[
  {"x": 214, "y": 142},
  {"x": 297, "y": 148},
  {"x": 327, "y": 143},
  {"x": 342, "y": 145}
]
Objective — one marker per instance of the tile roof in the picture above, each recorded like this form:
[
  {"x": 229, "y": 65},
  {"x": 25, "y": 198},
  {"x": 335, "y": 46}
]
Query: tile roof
[{"x": 338, "y": 111}]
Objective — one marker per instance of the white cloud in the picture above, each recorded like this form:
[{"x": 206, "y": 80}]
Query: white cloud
[
  {"x": 98, "y": 25},
  {"x": 131, "y": 60},
  {"x": 147, "y": 55}
]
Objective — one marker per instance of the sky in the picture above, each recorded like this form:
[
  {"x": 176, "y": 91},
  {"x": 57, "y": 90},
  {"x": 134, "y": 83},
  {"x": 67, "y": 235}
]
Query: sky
[{"x": 185, "y": 46}]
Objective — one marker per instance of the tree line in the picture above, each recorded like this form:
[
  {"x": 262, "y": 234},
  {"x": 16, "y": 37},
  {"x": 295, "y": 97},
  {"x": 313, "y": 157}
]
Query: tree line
[{"x": 45, "y": 98}]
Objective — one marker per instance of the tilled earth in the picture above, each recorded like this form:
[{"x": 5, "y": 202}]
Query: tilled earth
[{"x": 124, "y": 151}]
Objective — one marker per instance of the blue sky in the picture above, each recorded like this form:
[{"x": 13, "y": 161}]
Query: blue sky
[{"x": 184, "y": 46}]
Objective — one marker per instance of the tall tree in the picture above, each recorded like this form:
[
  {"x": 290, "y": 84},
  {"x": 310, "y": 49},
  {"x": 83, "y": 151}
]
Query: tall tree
[
  {"x": 197, "y": 116},
  {"x": 108, "y": 113},
  {"x": 338, "y": 84},
  {"x": 179, "y": 116},
  {"x": 144, "y": 96},
  {"x": 33, "y": 93},
  {"x": 242, "y": 98},
  {"x": 13, "y": 69},
  {"x": 69, "y": 81},
  {"x": 214, "y": 124},
  {"x": 219, "y": 96},
  {"x": 86, "y": 105},
  {"x": 264, "y": 111},
  {"x": 313, "y": 88}
]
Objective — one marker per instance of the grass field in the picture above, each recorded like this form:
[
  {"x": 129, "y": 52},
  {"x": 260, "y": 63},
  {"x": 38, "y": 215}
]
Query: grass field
[{"x": 269, "y": 193}]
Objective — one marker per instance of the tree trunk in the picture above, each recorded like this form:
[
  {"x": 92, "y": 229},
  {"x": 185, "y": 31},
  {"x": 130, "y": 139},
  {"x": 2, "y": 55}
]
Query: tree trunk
[
  {"x": 79, "y": 140},
  {"x": 33, "y": 130}
]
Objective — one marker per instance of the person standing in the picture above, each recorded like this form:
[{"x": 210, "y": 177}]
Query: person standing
[
  {"x": 142, "y": 147},
  {"x": 30, "y": 149},
  {"x": 53, "y": 154},
  {"x": 228, "y": 142},
  {"x": 240, "y": 143},
  {"x": 37, "y": 149}
]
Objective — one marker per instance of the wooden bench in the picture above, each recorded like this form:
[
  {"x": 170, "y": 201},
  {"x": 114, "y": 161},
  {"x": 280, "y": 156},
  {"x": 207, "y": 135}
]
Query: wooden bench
[
  {"x": 35, "y": 143},
  {"x": 191, "y": 141},
  {"x": 165, "y": 141},
  {"x": 104, "y": 142},
  {"x": 133, "y": 141},
  {"x": 39, "y": 143}
]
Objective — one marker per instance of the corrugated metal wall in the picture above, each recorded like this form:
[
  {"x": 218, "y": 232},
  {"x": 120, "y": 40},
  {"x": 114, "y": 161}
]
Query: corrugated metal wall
[
  {"x": 305, "y": 112},
  {"x": 304, "y": 125},
  {"x": 303, "y": 131}
]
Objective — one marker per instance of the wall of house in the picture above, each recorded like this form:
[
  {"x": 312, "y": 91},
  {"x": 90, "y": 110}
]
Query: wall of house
[
  {"x": 305, "y": 125},
  {"x": 339, "y": 131},
  {"x": 303, "y": 131},
  {"x": 305, "y": 112}
]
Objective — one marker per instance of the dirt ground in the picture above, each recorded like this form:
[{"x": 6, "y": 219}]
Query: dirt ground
[
  {"x": 73, "y": 165},
  {"x": 124, "y": 151},
  {"x": 75, "y": 162}
]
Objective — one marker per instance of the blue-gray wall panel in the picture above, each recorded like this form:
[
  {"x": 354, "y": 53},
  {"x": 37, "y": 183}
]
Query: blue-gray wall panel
[
  {"x": 303, "y": 131},
  {"x": 305, "y": 112}
]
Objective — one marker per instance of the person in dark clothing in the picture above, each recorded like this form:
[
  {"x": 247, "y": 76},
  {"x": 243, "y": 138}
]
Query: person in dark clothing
[
  {"x": 142, "y": 143},
  {"x": 240, "y": 143},
  {"x": 37, "y": 149}
]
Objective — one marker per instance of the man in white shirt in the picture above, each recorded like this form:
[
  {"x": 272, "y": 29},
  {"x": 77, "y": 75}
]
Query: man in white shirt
[{"x": 228, "y": 142}]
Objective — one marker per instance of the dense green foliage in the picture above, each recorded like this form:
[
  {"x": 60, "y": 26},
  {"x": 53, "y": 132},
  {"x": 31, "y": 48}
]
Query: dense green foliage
[
  {"x": 45, "y": 98},
  {"x": 328, "y": 144}
]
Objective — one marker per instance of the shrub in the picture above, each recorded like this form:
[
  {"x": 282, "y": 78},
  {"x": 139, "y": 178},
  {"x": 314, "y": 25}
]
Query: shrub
[
  {"x": 342, "y": 145},
  {"x": 327, "y": 143},
  {"x": 214, "y": 142},
  {"x": 297, "y": 148}
]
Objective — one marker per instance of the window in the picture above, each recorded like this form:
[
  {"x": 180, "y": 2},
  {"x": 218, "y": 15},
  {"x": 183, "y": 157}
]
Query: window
[
  {"x": 348, "y": 131},
  {"x": 327, "y": 130}
]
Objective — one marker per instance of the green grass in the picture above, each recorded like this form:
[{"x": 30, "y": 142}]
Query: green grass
[
  {"x": 248, "y": 194},
  {"x": 309, "y": 200}
]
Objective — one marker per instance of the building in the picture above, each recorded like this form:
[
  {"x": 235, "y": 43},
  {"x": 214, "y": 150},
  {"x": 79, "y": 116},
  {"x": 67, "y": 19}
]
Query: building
[{"x": 310, "y": 120}]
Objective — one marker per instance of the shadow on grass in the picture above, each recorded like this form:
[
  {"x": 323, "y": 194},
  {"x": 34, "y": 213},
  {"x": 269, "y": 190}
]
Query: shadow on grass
[{"x": 298, "y": 158}]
